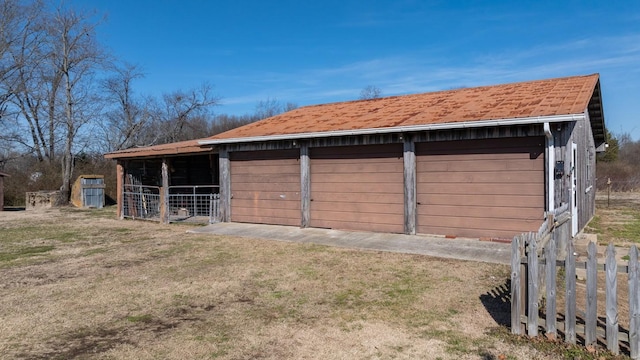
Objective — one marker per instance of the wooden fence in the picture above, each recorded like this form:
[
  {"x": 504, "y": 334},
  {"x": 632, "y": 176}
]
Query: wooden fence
[{"x": 530, "y": 261}]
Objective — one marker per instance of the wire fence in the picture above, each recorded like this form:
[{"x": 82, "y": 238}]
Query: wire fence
[
  {"x": 141, "y": 202},
  {"x": 194, "y": 201},
  {"x": 615, "y": 185},
  {"x": 199, "y": 203}
]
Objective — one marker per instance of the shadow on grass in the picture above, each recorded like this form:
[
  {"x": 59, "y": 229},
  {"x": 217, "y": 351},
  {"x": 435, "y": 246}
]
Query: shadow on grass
[{"x": 497, "y": 301}]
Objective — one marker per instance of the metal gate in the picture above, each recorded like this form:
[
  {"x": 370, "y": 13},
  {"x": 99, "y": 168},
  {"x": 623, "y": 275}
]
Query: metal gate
[
  {"x": 199, "y": 203},
  {"x": 194, "y": 202},
  {"x": 141, "y": 202}
]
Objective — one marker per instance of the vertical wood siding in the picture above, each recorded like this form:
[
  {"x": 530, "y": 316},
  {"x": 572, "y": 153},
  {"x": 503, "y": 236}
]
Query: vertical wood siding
[
  {"x": 580, "y": 133},
  {"x": 480, "y": 188},
  {"x": 265, "y": 187},
  {"x": 358, "y": 188}
]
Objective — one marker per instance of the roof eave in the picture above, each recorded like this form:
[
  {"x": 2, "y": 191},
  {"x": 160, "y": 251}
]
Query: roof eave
[
  {"x": 146, "y": 153},
  {"x": 400, "y": 129}
]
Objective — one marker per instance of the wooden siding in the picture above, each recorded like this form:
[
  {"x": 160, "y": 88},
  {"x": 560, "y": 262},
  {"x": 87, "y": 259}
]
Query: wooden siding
[
  {"x": 265, "y": 187},
  {"x": 497, "y": 132},
  {"x": 480, "y": 188},
  {"x": 580, "y": 133},
  {"x": 358, "y": 188}
]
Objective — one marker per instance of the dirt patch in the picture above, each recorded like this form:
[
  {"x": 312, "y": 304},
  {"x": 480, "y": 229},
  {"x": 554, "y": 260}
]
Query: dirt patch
[{"x": 141, "y": 290}]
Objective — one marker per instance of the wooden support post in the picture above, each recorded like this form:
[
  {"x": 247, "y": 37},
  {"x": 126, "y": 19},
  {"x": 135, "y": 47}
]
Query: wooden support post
[
  {"x": 516, "y": 304},
  {"x": 550, "y": 273},
  {"x": 119, "y": 189},
  {"x": 305, "y": 185},
  {"x": 634, "y": 303},
  {"x": 164, "y": 192},
  {"x": 225, "y": 185},
  {"x": 611, "y": 269},
  {"x": 570, "y": 296},
  {"x": 592, "y": 296},
  {"x": 409, "y": 156}
]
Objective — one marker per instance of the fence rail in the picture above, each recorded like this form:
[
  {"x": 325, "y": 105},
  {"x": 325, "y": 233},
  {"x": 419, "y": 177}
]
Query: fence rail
[
  {"x": 141, "y": 202},
  {"x": 528, "y": 263},
  {"x": 200, "y": 202},
  {"x": 193, "y": 201}
]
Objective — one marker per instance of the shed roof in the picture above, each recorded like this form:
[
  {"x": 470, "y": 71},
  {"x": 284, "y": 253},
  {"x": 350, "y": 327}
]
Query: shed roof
[
  {"x": 177, "y": 148},
  {"x": 523, "y": 102},
  {"x": 3, "y": 174}
]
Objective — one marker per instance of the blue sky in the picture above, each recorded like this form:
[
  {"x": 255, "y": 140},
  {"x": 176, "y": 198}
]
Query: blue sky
[{"x": 310, "y": 52}]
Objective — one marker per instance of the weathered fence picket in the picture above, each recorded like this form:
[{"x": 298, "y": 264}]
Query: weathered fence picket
[
  {"x": 611, "y": 281},
  {"x": 591, "y": 321},
  {"x": 634, "y": 303},
  {"x": 516, "y": 305},
  {"x": 551, "y": 273},
  {"x": 534, "y": 266},
  {"x": 570, "y": 293},
  {"x": 532, "y": 308}
]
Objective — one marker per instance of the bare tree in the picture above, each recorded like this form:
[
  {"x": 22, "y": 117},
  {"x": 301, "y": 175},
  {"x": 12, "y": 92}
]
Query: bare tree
[
  {"x": 123, "y": 121},
  {"x": 10, "y": 26},
  {"x": 370, "y": 92},
  {"x": 75, "y": 55},
  {"x": 28, "y": 82},
  {"x": 272, "y": 107},
  {"x": 225, "y": 122},
  {"x": 178, "y": 109}
]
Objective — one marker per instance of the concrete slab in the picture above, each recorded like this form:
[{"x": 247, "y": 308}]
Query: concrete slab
[{"x": 459, "y": 248}]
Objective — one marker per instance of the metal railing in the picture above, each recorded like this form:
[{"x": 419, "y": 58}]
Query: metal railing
[
  {"x": 141, "y": 202},
  {"x": 194, "y": 201}
]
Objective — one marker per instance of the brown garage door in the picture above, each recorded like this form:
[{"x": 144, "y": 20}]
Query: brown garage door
[
  {"x": 265, "y": 187},
  {"x": 357, "y": 188},
  {"x": 480, "y": 188}
]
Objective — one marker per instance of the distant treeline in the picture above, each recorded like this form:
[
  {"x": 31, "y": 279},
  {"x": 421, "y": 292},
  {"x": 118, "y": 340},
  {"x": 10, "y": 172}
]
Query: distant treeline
[{"x": 620, "y": 164}]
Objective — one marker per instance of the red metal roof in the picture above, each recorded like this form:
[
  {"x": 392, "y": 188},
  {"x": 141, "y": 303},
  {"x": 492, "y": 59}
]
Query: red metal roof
[
  {"x": 541, "y": 98},
  {"x": 561, "y": 96},
  {"x": 182, "y": 147}
]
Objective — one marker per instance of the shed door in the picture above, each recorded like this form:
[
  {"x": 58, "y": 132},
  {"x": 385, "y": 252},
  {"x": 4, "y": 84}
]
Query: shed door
[
  {"x": 265, "y": 187},
  {"x": 480, "y": 188},
  {"x": 93, "y": 196},
  {"x": 357, "y": 188}
]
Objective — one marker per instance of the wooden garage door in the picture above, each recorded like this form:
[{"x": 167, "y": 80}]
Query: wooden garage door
[
  {"x": 480, "y": 188},
  {"x": 357, "y": 188},
  {"x": 265, "y": 187}
]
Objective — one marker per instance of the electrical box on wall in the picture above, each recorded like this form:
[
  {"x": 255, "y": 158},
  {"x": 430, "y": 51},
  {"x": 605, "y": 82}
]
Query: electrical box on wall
[{"x": 559, "y": 170}]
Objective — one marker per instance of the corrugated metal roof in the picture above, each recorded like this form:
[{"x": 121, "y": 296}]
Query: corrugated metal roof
[
  {"x": 541, "y": 98},
  {"x": 182, "y": 147}
]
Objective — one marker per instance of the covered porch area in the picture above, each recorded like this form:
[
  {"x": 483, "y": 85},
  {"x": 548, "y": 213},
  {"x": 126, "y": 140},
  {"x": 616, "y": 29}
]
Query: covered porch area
[{"x": 168, "y": 183}]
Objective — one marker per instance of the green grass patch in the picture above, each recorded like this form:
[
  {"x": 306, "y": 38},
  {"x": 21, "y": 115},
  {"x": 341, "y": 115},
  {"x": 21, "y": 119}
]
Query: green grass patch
[
  {"x": 44, "y": 231},
  {"x": 94, "y": 251},
  {"x": 25, "y": 252},
  {"x": 630, "y": 230},
  {"x": 595, "y": 225},
  {"x": 349, "y": 298},
  {"x": 280, "y": 294}
]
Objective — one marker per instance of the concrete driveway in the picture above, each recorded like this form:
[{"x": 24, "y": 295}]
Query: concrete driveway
[{"x": 459, "y": 248}]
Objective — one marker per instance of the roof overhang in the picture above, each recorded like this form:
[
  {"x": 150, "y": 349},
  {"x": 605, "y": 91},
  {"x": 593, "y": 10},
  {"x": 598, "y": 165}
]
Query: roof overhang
[
  {"x": 400, "y": 129},
  {"x": 596, "y": 118},
  {"x": 159, "y": 151}
]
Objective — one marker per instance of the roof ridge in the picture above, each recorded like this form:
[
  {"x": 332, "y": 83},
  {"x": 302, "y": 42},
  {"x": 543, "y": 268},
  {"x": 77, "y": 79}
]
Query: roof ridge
[{"x": 448, "y": 90}]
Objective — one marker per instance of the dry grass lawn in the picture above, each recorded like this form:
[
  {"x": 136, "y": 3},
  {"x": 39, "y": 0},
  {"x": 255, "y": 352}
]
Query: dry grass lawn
[{"x": 78, "y": 284}]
